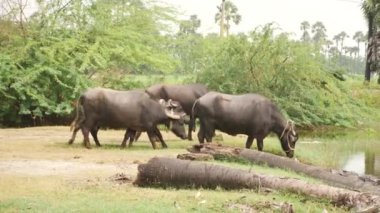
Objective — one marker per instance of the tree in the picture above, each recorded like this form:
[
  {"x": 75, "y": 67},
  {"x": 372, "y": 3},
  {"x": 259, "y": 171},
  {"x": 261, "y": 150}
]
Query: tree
[
  {"x": 359, "y": 38},
  {"x": 227, "y": 12},
  {"x": 189, "y": 27},
  {"x": 319, "y": 31},
  {"x": 342, "y": 36},
  {"x": 336, "y": 38},
  {"x": 14, "y": 11},
  {"x": 71, "y": 45},
  {"x": 355, "y": 51},
  {"x": 328, "y": 45},
  {"x": 305, "y": 26},
  {"x": 264, "y": 62},
  {"x": 371, "y": 11},
  {"x": 333, "y": 52},
  {"x": 187, "y": 46}
]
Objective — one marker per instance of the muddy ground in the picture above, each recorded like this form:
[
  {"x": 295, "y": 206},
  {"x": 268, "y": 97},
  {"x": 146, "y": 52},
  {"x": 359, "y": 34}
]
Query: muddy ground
[{"x": 43, "y": 151}]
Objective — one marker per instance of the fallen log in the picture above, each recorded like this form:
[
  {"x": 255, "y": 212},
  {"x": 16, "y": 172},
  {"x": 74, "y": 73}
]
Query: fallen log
[
  {"x": 169, "y": 172},
  {"x": 343, "y": 179},
  {"x": 197, "y": 156}
]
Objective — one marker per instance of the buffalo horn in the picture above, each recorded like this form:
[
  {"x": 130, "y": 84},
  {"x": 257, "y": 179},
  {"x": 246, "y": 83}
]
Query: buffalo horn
[
  {"x": 172, "y": 103},
  {"x": 171, "y": 114}
]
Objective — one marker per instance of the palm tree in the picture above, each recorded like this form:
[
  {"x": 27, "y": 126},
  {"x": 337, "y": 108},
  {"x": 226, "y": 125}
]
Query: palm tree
[
  {"x": 319, "y": 31},
  {"x": 359, "y": 38},
  {"x": 189, "y": 27},
  {"x": 371, "y": 9},
  {"x": 333, "y": 51},
  {"x": 336, "y": 38},
  {"x": 343, "y": 35},
  {"x": 227, "y": 12},
  {"x": 355, "y": 51},
  {"x": 328, "y": 45},
  {"x": 305, "y": 26}
]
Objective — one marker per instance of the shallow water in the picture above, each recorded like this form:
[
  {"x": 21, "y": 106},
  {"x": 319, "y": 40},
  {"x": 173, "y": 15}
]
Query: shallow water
[
  {"x": 363, "y": 163},
  {"x": 356, "y": 151}
]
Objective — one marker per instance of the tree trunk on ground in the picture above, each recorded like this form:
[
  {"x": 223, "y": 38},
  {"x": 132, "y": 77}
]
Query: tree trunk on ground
[
  {"x": 197, "y": 156},
  {"x": 183, "y": 173},
  {"x": 344, "y": 179}
]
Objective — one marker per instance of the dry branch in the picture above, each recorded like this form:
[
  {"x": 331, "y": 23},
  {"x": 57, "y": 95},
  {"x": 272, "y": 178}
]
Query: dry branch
[
  {"x": 183, "y": 173},
  {"x": 344, "y": 179}
]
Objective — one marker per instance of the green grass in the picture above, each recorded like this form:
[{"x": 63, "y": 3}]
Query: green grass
[
  {"x": 94, "y": 192},
  {"x": 106, "y": 197}
]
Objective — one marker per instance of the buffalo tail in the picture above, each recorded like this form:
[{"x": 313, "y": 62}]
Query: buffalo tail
[
  {"x": 193, "y": 116},
  {"x": 80, "y": 116}
]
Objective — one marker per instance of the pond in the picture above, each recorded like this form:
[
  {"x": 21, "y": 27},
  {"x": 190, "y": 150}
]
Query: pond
[
  {"x": 358, "y": 152},
  {"x": 367, "y": 162}
]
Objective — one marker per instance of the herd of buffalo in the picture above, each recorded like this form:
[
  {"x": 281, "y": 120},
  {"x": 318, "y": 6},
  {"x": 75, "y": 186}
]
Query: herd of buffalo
[{"x": 176, "y": 105}]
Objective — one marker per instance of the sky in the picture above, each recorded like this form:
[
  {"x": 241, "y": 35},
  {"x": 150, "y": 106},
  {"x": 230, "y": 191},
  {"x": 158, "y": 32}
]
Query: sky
[{"x": 336, "y": 15}]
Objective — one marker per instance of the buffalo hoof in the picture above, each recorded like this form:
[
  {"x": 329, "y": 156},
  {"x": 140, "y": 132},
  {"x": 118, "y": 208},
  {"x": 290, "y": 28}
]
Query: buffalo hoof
[
  {"x": 87, "y": 146},
  {"x": 70, "y": 141}
]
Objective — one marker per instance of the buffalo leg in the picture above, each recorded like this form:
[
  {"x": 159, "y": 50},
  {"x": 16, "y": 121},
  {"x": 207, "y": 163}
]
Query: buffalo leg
[
  {"x": 209, "y": 133},
  {"x": 71, "y": 141},
  {"x": 94, "y": 133},
  {"x": 159, "y": 136},
  {"x": 86, "y": 140},
  {"x": 126, "y": 136},
  {"x": 129, "y": 134},
  {"x": 260, "y": 144},
  {"x": 249, "y": 142},
  {"x": 201, "y": 135},
  {"x": 189, "y": 136},
  {"x": 137, "y": 135},
  {"x": 208, "y": 130},
  {"x": 152, "y": 138},
  {"x": 209, "y": 136}
]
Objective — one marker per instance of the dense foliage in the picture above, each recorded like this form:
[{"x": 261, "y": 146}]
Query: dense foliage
[
  {"x": 291, "y": 73},
  {"x": 49, "y": 58},
  {"x": 65, "y": 48}
]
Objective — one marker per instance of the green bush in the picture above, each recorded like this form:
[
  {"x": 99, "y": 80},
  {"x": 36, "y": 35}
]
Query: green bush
[{"x": 290, "y": 73}]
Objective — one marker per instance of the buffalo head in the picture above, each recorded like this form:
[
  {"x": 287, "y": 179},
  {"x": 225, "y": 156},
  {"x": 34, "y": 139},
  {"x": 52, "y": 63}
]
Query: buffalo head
[
  {"x": 288, "y": 139},
  {"x": 176, "y": 115}
]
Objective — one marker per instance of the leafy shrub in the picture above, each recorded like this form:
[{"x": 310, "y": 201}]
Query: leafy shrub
[{"x": 290, "y": 73}]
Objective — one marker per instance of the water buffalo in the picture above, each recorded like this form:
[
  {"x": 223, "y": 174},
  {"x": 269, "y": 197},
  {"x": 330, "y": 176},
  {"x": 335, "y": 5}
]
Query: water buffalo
[
  {"x": 184, "y": 94},
  {"x": 249, "y": 114},
  {"x": 132, "y": 110}
]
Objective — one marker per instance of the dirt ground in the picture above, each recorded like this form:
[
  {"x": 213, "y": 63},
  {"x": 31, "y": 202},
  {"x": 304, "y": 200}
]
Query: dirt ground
[{"x": 43, "y": 151}]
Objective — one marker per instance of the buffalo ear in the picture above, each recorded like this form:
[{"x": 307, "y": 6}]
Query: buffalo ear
[
  {"x": 162, "y": 102},
  {"x": 150, "y": 94}
]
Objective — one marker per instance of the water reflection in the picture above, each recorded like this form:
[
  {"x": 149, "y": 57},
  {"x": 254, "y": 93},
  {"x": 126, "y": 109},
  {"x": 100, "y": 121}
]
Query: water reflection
[
  {"x": 355, "y": 163},
  {"x": 363, "y": 163}
]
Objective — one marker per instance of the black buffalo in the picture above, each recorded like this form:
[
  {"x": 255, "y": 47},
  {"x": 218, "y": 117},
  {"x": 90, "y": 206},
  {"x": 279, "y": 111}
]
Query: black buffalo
[
  {"x": 249, "y": 114},
  {"x": 184, "y": 94},
  {"x": 132, "y": 110}
]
